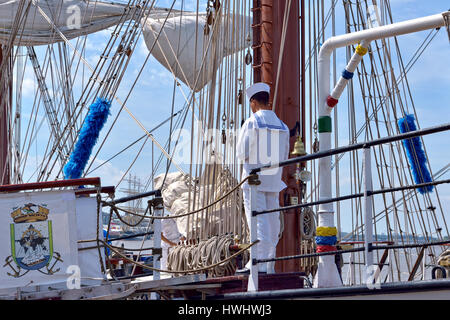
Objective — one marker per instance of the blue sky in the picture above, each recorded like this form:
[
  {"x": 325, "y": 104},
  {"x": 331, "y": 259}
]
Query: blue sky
[{"x": 151, "y": 100}]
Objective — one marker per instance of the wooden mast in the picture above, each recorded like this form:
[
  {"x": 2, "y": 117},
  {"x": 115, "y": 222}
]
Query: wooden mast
[
  {"x": 268, "y": 19},
  {"x": 5, "y": 112}
]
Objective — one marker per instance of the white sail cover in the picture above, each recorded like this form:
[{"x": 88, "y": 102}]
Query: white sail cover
[
  {"x": 182, "y": 53},
  {"x": 175, "y": 193},
  {"x": 73, "y": 18}
]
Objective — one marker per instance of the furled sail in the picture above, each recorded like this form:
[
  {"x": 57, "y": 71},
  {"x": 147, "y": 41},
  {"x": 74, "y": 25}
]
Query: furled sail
[
  {"x": 182, "y": 44},
  {"x": 33, "y": 23}
]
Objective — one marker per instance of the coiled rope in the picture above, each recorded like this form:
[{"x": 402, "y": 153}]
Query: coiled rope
[
  {"x": 205, "y": 268},
  {"x": 213, "y": 253}
]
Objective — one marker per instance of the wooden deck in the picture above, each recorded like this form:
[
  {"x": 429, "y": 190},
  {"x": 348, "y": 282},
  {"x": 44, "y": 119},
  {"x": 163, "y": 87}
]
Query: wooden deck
[{"x": 231, "y": 284}]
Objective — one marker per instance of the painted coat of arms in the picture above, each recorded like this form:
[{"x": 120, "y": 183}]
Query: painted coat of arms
[{"x": 31, "y": 241}]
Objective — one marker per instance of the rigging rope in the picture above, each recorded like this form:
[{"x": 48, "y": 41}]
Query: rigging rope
[{"x": 111, "y": 204}]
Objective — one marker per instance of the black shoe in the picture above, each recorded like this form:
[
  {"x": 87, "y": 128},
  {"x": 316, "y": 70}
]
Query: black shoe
[
  {"x": 247, "y": 271},
  {"x": 242, "y": 271}
]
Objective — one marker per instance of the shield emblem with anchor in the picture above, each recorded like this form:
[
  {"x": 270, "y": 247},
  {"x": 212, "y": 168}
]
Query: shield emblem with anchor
[
  {"x": 31, "y": 240},
  {"x": 31, "y": 244}
]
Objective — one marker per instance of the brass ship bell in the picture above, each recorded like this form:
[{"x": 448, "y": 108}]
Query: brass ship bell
[
  {"x": 300, "y": 174},
  {"x": 299, "y": 148}
]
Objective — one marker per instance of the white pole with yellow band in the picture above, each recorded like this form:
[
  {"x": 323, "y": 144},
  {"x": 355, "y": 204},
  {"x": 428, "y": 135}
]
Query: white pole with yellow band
[{"x": 327, "y": 274}]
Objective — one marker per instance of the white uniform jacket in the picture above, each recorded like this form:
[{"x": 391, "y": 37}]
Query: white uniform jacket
[
  {"x": 170, "y": 231},
  {"x": 263, "y": 139}
]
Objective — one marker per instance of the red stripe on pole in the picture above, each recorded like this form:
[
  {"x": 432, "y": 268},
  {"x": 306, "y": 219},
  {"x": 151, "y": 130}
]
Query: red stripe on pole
[
  {"x": 325, "y": 248},
  {"x": 332, "y": 102}
]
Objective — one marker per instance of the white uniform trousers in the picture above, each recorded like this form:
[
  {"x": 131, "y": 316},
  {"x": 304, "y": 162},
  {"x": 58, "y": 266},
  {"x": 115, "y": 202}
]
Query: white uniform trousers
[
  {"x": 268, "y": 226},
  {"x": 165, "y": 252}
]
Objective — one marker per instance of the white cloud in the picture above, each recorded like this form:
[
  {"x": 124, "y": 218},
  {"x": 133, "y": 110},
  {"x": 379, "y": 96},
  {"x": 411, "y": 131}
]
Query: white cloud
[
  {"x": 109, "y": 174},
  {"x": 28, "y": 86}
]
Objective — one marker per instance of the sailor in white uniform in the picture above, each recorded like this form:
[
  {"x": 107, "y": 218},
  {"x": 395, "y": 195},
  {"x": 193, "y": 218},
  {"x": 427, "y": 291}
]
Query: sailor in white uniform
[
  {"x": 170, "y": 236},
  {"x": 263, "y": 139}
]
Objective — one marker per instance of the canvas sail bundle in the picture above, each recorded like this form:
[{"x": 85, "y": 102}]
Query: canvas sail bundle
[
  {"x": 222, "y": 217},
  {"x": 182, "y": 44},
  {"x": 28, "y": 21}
]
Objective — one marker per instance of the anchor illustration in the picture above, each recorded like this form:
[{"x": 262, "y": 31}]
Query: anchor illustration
[
  {"x": 17, "y": 273},
  {"x": 50, "y": 271}
]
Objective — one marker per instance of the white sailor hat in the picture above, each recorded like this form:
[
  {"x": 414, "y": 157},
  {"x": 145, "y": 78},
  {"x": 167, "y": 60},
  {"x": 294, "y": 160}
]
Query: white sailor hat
[{"x": 256, "y": 88}]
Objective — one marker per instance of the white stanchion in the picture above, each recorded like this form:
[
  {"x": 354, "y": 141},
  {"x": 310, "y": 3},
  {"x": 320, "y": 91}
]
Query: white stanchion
[
  {"x": 157, "y": 241},
  {"x": 368, "y": 223},
  {"x": 253, "y": 277},
  {"x": 158, "y": 211}
]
